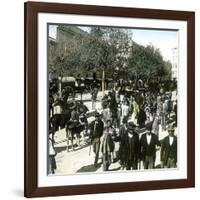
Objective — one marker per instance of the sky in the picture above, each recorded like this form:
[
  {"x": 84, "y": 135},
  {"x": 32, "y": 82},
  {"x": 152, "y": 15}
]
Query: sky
[{"x": 165, "y": 40}]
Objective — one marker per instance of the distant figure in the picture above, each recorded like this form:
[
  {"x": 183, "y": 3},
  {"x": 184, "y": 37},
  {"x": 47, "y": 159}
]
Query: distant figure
[
  {"x": 83, "y": 108},
  {"x": 175, "y": 111},
  {"x": 96, "y": 131},
  {"x": 121, "y": 93},
  {"x": 149, "y": 117},
  {"x": 170, "y": 107},
  {"x": 123, "y": 134},
  {"x": 135, "y": 111},
  {"x": 155, "y": 125},
  {"x": 52, "y": 154},
  {"x": 113, "y": 109},
  {"x": 169, "y": 149},
  {"x": 106, "y": 115},
  {"x": 94, "y": 93},
  {"x": 164, "y": 114},
  {"x": 104, "y": 101},
  {"x": 141, "y": 118},
  {"x": 57, "y": 109},
  {"x": 148, "y": 143},
  {"x": 125, "y": 110},
  {"x": 107, "y": 147}
]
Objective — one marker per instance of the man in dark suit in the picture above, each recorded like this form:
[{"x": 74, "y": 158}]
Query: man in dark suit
[
  {"x": 169, "y": 149},
  {"x": 96, "y": 131},
  {"x": 148, "y": 143},
  {"x": 141, "y": 118},
  {"x": 123, "y": 132},
  {"x": 129, "y": 147},
  {"x": 132, "y": 147}
]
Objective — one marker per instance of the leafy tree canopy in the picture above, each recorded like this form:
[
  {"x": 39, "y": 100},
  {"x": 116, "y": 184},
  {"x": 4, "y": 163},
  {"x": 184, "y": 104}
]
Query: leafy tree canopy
[{"x": 105, "y": 48}]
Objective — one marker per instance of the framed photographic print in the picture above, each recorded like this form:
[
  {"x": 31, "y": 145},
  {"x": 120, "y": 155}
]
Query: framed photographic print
[{"x": 109, "y": 99}]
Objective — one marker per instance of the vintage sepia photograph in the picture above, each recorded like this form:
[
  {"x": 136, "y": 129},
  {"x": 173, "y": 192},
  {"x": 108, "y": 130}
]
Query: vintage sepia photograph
[
  {"x": 109, "y": 99},
  {"x": 112, "y": 99}
]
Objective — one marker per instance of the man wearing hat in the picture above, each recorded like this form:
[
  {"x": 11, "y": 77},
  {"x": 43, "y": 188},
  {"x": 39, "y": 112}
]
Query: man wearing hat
[
  {"x": 52, "y": 153},
  {"x": 131, "y": 147},
  {"x": 123, "y": 132},
  {"x": 169, "y": 149},
  {"x": 96, "y": 131},
  {"x": 108, "y": 146},
  {"x": 148, "y": 143}
]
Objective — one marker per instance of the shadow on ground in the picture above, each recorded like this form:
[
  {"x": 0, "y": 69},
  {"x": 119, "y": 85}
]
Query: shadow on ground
[
  {"x": 81, "y": 147},
  {"x": 64, "y": 148},
  {"x": 89, "y": 168},
  {"x": 158, "y": 166},
  {"x": 115, "y": 169}
]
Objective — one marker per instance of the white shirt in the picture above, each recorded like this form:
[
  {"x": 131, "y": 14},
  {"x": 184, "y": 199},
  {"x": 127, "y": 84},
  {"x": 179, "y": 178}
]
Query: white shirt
[
  {"x": 125, "y": 110},
  {"x": 171, "y": 139},
  {"x": 130, "y": 135},
  {"x": 148, "y": 138},
  {"x": 57, "y": 109}
]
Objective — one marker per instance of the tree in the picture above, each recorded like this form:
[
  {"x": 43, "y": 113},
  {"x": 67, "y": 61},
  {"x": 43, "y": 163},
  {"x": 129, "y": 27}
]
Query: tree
[
  {"x": 105, "y": 50},
  {"x": 147, "y": 62}
]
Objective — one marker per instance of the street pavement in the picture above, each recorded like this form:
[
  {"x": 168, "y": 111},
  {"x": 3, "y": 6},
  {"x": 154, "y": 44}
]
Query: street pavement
[{"x": 81, "y": 159}]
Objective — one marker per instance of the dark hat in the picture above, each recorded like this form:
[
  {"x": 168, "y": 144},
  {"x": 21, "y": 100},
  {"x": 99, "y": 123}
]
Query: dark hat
[
  {"x": 148, "y": 125},
  {"x": 131, "y": 126},
  {"x": 96, "y": 114}
]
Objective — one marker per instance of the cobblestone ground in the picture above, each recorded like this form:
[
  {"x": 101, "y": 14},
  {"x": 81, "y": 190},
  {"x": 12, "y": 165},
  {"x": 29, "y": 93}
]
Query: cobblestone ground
[{"x": 81, "y": 159}]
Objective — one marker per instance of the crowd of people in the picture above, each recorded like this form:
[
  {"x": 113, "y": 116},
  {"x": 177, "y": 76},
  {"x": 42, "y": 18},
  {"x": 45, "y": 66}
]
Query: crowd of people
[
  {"x": 127, "y": 129},
  {"x": 134, "y": 122}
]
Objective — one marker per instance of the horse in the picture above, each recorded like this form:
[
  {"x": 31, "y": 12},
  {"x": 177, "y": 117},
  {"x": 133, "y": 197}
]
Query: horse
[
  {"x": 77, "y": 124},
  {"x": 58, "y": 121},
  {"x": 73, "y": 130}
]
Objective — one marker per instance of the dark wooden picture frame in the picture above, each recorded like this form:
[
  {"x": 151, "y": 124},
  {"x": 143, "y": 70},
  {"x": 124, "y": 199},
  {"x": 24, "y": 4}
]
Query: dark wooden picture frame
[{"x": 32, "y": 9}]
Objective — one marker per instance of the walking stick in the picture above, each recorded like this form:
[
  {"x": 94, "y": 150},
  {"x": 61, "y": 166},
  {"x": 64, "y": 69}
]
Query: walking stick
[{"x": 90, "y": 147}]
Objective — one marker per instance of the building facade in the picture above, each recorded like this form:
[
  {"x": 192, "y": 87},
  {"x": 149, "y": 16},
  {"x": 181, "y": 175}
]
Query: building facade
[{"x": 174, "y": 71}]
